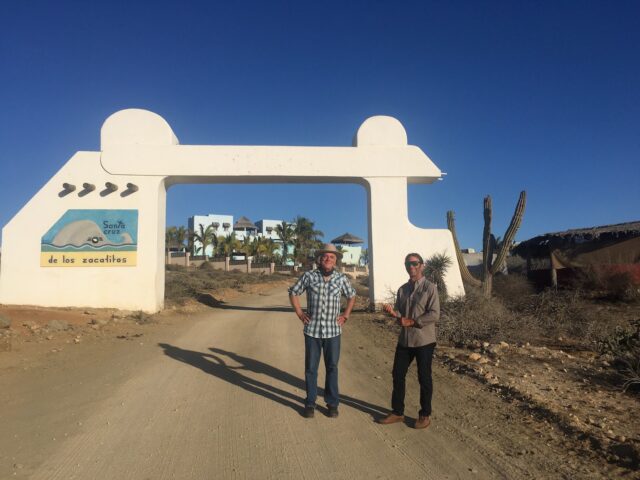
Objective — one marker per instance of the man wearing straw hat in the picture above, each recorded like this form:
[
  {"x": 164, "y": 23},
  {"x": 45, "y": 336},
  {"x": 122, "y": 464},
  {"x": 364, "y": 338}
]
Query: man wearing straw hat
[{"x": 322, "y": 324}]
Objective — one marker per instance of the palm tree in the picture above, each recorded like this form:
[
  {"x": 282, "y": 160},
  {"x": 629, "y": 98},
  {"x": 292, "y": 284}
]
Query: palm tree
[
  {"x": 249, "y": 246},
  {"x": 228, "y": 244},
  {"x": 364, "y": 257},
  {"x": 181, "y": 236},
  {"x": 286, "y": 234},
  {"x": 205, "y": 237},
  {"x": 307, "y": 238},
  {"x": 170, "y": 238},
  {"x": 190, "y": 241},
  {"x": 265, "y": 249}
]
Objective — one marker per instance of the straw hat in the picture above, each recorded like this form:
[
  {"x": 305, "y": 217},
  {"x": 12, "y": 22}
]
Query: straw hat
[{"x": 329, "y": 248}]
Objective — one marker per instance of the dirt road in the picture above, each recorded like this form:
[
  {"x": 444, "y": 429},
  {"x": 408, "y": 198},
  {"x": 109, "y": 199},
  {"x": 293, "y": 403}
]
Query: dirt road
[{"x": 219, "y": 396}]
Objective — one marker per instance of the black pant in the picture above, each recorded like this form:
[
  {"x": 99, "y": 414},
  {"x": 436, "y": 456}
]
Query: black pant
[{"x": 403, "y": 358}]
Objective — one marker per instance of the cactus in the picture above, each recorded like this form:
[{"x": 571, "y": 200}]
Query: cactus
[{"x": 489, "y": 266}]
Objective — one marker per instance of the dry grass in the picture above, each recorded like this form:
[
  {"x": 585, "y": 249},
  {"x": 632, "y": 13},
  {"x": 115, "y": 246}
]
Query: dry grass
[
  {"x": 573, "y": 318},
  {"x": 518, "y": 313},
  {"x": 183, "y": 284}
]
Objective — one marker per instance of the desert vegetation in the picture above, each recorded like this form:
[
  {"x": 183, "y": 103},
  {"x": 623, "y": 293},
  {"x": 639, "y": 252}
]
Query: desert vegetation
[
  {"x": 596, "y": 313},
  {"x": 183, "y": 284}
]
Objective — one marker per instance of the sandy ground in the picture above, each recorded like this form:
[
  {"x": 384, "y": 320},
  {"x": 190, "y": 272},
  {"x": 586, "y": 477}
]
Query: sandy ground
[{"x": 218, "y": 394}]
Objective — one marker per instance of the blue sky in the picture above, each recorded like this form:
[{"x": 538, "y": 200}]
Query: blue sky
[{"x": 503, "y": 96}]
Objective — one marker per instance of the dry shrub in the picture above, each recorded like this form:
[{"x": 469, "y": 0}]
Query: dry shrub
[
  {"x": 361, "y": 284},
  {"x": 516, "y": 265},
  {"x": 206, "y": 266},
  {"x": 513, "y": 290},
  {"x": 609, "y": 283},
  {"x": 623, "y": 345},
  {"x": 473, "y": 317},
  {"x": 516, "y": 314},
  {"x": 182, "y": 283}
]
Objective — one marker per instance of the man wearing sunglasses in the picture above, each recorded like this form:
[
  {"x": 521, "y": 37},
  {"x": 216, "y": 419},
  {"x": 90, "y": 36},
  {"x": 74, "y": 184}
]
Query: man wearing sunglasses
[
  {"x": 417, "y": 310},
  {"x": 322, "y": 325}
]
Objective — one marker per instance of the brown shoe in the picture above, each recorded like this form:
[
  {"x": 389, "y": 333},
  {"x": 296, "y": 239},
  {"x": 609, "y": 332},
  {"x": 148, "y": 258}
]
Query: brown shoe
[
  {"x": 422, "y": 422},
  {"x": 391, "y": 418}
]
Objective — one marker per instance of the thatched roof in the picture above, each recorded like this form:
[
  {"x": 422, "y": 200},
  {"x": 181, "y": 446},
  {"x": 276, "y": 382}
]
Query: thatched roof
[
  {"x": 244, "y": 222},
  {"x": 347, "y": 239},
  {"x": 543, "y": 244}
]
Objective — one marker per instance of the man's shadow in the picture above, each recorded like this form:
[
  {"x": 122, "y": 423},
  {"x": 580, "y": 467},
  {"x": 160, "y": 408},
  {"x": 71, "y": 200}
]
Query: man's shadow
[{"x": 214, "y": 364}]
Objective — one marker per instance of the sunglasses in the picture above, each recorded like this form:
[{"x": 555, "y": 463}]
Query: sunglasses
[{"x": 412, "y": 264}]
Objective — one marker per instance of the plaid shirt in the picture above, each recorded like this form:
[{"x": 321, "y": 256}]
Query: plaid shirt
[{"x": 323, "y": 301}]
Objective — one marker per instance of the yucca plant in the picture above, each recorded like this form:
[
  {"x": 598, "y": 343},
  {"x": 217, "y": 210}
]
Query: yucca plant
[{"x": 435, "y": 269}]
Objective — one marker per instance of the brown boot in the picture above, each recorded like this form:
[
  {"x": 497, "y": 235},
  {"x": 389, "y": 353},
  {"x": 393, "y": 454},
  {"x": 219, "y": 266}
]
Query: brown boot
[
  {"x": 391, "y": 418},
  {"x": 422, "y": 422}
]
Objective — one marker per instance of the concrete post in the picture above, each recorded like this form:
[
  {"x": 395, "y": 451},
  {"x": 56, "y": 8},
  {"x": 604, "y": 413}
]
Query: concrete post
[
  {"x": 186, "y": 259},
  {"x": 226, "y": 264},
  {"x": 272, "y": 268},
  {"x": 248, "y": 264}
]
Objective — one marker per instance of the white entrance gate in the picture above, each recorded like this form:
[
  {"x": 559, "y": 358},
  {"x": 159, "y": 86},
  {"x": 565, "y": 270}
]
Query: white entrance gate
[{"x": 94, "y": 234}]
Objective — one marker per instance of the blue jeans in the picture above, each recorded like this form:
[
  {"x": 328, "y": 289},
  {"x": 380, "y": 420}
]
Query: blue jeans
[{"x": 330, "y": 349}]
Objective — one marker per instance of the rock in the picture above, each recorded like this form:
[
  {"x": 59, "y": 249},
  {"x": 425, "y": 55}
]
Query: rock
[
  {"x": 504, "y": 344},
  {"x": 474, "y": 345},
  {"x": 474, "y": 357},
  {"x": 494, "y": 351},
  {"x": 57, "y": 325},
  {"x": 120, "y": 314},
  {"x": 5, "y": 322},
  {"x": 483, "y": 360},
  {"x": 485, "y": 344}
]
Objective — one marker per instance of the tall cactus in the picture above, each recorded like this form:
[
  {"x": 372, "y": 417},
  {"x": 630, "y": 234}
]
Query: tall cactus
[{"x": 489, "y": 266}]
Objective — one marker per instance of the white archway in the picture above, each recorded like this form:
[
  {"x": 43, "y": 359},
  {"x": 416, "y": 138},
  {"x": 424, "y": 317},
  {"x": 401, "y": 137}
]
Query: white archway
[{"x": 94, "y": 234}]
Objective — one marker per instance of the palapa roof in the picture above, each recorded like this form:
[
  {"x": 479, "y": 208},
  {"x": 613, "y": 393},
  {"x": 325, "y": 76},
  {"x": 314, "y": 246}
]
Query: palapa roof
[
  {"x": 244, "y": 222},
  {"x": 542, "y": 244},
  {"x": 347, "y": 239}
]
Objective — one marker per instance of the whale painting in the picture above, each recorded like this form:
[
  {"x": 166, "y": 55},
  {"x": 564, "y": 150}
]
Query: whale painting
[{"x": 91, "y": 238}]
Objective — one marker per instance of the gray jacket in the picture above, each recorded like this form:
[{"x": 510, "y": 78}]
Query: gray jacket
[{"x": 421, "y": 304}]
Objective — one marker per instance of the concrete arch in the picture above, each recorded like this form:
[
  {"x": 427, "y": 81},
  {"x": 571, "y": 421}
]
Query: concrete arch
[{"x": 121, "y": 190}]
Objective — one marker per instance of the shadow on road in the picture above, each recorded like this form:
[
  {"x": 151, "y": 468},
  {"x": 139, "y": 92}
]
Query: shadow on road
[
  {"x": 211, "y": 301},
  {"x": 215, "y": 364}
]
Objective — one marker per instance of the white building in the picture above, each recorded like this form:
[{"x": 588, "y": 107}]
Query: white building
[
  {"x": 267, "y": 229},
  {"x": 220, "y": 224},
  {"x": 244, "y": 228},
  {"x": 351, "y": 253}
]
